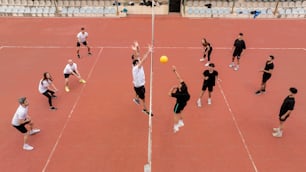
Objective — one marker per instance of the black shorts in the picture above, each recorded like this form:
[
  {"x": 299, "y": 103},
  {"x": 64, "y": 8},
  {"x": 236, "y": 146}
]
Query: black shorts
[
  {"x": 22, "y": 127},
  {"x": 237, "y": 53},
  {"x": 178, "y": 107},
  {"x": 205, "y": 86},
  {"x": 66, "y": 75},
  {"x": 283, "y": 120},
  {"x": 84, "y": 43},
  {"x": 265, "y": 77},
  {"x": 140, "y": 91}
]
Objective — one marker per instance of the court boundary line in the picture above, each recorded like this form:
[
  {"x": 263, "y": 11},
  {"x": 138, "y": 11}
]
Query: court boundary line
[
  {"x": 242, "y": 138},
  {"x": 69, "y": 116},
  {"x": 158, "y": 47}
]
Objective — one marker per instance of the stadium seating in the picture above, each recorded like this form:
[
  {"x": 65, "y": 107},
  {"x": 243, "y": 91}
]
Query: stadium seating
[{"x": 189, "y": 8}]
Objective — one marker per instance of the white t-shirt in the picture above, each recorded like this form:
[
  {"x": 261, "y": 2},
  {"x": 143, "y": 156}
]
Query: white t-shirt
[
  {"x": 82, "y": 37},
  {"x": 43, "y": 85},
  {"x": 21, "y": 113},
  {"x": 70, "y": 68},
  {"x": 138, "y": 76}
]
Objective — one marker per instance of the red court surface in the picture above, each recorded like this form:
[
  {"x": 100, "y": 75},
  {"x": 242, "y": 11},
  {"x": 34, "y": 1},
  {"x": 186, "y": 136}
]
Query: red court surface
[{"x": 97, "y": 127}]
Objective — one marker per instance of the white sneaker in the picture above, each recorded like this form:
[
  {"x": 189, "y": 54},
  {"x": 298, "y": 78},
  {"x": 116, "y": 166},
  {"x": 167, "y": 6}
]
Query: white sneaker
[
  {"x": 207, "y": 64},
  {"x": 277, "y": 134},
  {"x": 276, "y": 129},
  {"x": 27, "y": 147},
  {"x": 176, "y": 128},
  {"x": 209, "y": 101},
  {"x": 231, "y": 65},
  {"x": 34, "y": 131},
  {"x": 202, "y": 59},
  {"x": 180, "y": 123},
  {"x": 236, "y": 68},
  {"x": 199, "y": 103}
]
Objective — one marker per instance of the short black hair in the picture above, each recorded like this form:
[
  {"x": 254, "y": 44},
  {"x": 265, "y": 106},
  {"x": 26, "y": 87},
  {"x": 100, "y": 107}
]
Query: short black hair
[
  {"x": 82, "y": 28},
  {"x": 293, "y": 90},
  {"x": 135, "y": 62},
  {"x": 241, "y": 34},
  {"x": 272, "y": 57},
  {"x": 21, "y": 100}
]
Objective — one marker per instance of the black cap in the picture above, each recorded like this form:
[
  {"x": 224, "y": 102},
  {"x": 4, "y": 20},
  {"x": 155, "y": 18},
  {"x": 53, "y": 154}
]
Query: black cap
[{"x": 211, "y": 65}]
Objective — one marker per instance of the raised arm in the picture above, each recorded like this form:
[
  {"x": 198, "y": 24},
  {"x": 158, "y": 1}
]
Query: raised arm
[
  {"x": 177, "y": 74},
  {"x": 145, "y": 55},
  {"x": 136, "y": 49}
]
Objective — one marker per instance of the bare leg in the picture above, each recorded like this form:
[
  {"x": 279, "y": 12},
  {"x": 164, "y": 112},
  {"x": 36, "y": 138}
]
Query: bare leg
[
  {"x": 88, "y": 49},
  {"x": 78, "y": 52}
]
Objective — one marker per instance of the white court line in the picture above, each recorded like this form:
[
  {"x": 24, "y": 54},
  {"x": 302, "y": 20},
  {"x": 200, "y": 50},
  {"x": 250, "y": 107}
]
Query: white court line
[
  {"x": 70, "y": 114},
  {"x": 238, "y": 128},
  {"x": 168, "y": 47}
]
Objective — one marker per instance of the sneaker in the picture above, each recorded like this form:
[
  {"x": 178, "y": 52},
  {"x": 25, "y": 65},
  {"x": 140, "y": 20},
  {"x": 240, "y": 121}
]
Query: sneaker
[
  {"x": 277, "y": 134},
  {"x": 263, "y": 91},
  {"x": 146, "y": 112},
  {"x": 276, "y": 129},
  {"x": 79, "y": 56},
  {"x": 231, "y": 65},
  {"x": 209, "y": 101},
  {"x": 82, "y": 81},
  {"x": 53, "y": 108},
  {"x": 53, "y": 96},
  {"x": 34, "y": 131},
  {"x": 180, "y": 123},
  {"x": 258, "y": 92},
  {"x": 27, "y": 147},
  {"x": 207, "y": 64},
  {"x": 89, "y": 53},
  {"x": 175, "y": 128},
  {"x": 136, "y": 101},
  {"x": 202, "y": 59},
  {"x": 67, "y": 89},
  {"x": 236, "y": 68},
  {"x": 199, "y": 103}
]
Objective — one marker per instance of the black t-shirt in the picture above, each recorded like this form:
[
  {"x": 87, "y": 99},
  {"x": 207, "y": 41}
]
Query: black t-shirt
[
  {"x": 208, "y": 47},
  {"x": 211, "y": 77},
  {"x": 288, "y": 104},
  {"x": 268, "y": 67},
  {"x": 239, "y": 45},
  {"x": 183, "y": 95}
]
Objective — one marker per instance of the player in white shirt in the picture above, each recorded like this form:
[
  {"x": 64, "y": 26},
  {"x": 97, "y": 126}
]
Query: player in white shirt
[
  {"x": 44, "y": 88},
  {"x": 72, "y": 69},
  {"x": 139, "y": 80},
  {"x": 82, "y": 39},
  {"x": 21, "y": 120}
]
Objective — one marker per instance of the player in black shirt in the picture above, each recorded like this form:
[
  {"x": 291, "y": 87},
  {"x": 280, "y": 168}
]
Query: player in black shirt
[
  {"x": 207, "y": 51},
  {"x": 285, "y": 110},
  {"x": 267, "y": 73},
  {"x": 239, "y": 46},
  {"x": 210, "y": 77},
  {"x": 180, "y": 92}
]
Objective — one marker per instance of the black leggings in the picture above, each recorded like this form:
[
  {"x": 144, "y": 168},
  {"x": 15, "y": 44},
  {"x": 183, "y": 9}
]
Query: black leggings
[{"x": 49, "y": 94}]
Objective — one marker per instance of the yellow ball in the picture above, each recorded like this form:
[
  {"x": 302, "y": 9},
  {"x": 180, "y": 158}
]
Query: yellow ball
[{"x": 163, "y": 59}]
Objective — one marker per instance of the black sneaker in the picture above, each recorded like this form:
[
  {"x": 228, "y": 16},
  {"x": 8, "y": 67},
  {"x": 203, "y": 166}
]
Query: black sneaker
[
  {"x": 263, "y": 91},
  {"x": 53, "y": 96},
  {"x": 79, "y": 56},
  {"x": 258, "y": 92},
  {"x": 53, "y": 108},
  {"x": 147, "y": 112},
  {"x": 89, "y": 53}
]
